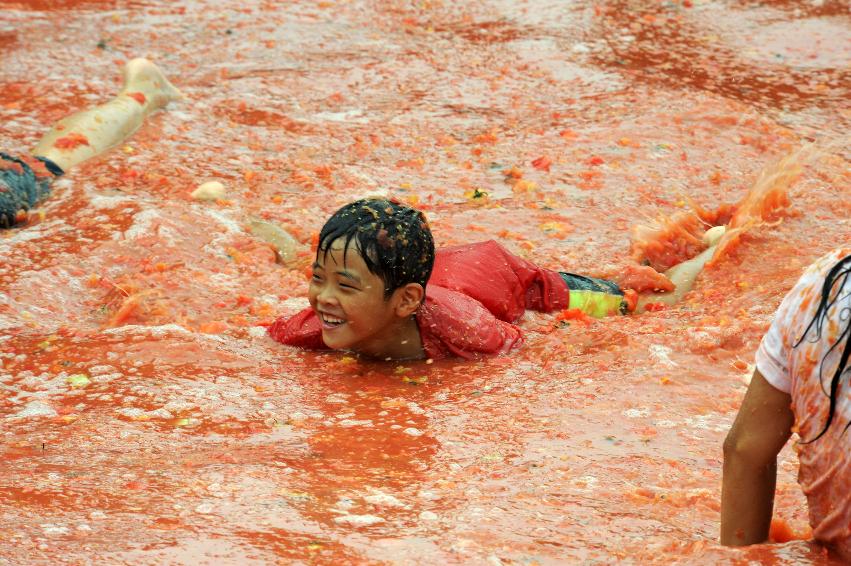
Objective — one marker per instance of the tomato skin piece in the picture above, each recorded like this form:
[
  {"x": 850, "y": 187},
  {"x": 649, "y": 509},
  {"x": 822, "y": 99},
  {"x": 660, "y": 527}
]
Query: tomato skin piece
[
  {"x": 542, "y": 163},
  {"x": 71, "y": 141},
  {"x": 127, "y": 309},
  {"x": 138, "y": 97},
  {"x": 643, "y": 278},
  {"x": 780, "y": 531}
]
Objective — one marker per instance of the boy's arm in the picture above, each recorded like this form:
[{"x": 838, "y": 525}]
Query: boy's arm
[{"x": 762, "y": 427}]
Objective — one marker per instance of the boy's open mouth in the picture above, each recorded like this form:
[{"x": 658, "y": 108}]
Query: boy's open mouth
[{"x": 329, "y": 322}]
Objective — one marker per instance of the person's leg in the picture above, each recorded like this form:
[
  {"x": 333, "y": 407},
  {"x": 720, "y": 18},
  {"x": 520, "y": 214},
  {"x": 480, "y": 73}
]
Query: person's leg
[
  {"x": 86, "y": 134},
  {"x": 683, "y": 274},
  {"x": 25, "y": 180}
]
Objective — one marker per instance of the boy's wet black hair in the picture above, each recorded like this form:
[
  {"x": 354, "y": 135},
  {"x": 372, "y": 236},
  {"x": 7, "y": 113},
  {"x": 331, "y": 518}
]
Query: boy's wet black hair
[
  {"x": 833, "y": 294},
  {"x": 394, "y": 240}
]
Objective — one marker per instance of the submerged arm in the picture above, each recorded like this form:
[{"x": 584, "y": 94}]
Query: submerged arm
[{"x": 88, "y": 133}]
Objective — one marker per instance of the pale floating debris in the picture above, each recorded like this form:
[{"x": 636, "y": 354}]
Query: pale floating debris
[
  {"x": 413, "y": 431},
  {"x": 359, "y": 520},
  {"x": 204, "y": 508},
  {"x": 211, "y": 190},
  {"x": 428, "y": 516}
]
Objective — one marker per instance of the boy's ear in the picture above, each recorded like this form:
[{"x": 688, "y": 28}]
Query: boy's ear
[{"x": 409, "y": 296}]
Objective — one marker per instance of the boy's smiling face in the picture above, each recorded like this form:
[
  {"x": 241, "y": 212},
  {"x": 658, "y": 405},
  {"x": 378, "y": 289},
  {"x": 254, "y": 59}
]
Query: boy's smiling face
[{"x": 351, "y": 306}]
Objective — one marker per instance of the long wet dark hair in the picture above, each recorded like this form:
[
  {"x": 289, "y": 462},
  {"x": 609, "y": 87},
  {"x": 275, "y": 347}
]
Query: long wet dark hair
[{"x": 836, "y": 277}]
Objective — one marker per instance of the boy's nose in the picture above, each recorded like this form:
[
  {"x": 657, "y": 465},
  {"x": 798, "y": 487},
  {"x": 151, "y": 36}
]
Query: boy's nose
[{"x": 327, "y": 297}]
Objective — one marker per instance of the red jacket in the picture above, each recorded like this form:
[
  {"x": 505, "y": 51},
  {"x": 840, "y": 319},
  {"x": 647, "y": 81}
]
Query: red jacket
[{"x": 475, "y": 293}]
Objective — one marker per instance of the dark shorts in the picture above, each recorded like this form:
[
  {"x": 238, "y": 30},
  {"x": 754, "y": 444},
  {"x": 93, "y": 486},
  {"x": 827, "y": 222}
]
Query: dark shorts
[
  {"x": 24, "y": 181},
  {"x": 582, "y": 283}
]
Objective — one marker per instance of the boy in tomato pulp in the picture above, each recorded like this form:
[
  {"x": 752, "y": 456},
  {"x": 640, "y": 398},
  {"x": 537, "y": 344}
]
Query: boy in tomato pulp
[{"x": 380, "y": 289}]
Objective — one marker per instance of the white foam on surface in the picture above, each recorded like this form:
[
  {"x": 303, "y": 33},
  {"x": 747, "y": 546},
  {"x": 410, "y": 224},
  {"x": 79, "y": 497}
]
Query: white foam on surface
[
  {"x": 228, "y": 223},
  {"x": 661, "y": 354},
  {"x": 295, "y": 303},
  {"x": 355, "y": 116},
  {"x": 359, "y": 520},
  {"x": 35, "y": 409},
  {"x": 108, "y": 202},
  {"x": 142, "y": 223},
  {"x": 156, "y": 331}
]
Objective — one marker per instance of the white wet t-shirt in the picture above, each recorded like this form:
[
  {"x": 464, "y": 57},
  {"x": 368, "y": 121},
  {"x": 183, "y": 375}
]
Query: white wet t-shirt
[{"x": 805, "y": 373}]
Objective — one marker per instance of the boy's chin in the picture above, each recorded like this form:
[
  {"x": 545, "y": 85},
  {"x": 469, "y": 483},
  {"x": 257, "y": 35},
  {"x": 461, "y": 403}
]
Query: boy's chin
[
  {"x": 336, "y": 342},
  {"x": 349, "y": 345}
]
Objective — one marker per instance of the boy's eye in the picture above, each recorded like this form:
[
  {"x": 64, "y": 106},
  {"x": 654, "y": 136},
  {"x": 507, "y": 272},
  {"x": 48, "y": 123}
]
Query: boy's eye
[{"x": 345, "y": 286}]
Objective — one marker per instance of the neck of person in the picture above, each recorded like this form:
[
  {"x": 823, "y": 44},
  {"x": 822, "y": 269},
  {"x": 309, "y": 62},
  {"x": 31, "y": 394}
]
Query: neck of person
[{"x": 401, "y": 341}]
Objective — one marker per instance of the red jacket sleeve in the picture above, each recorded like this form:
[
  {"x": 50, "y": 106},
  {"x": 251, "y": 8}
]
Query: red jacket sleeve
[
  {"x": 453, "y": 324},
  {"x": 302, "y": 330}
]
